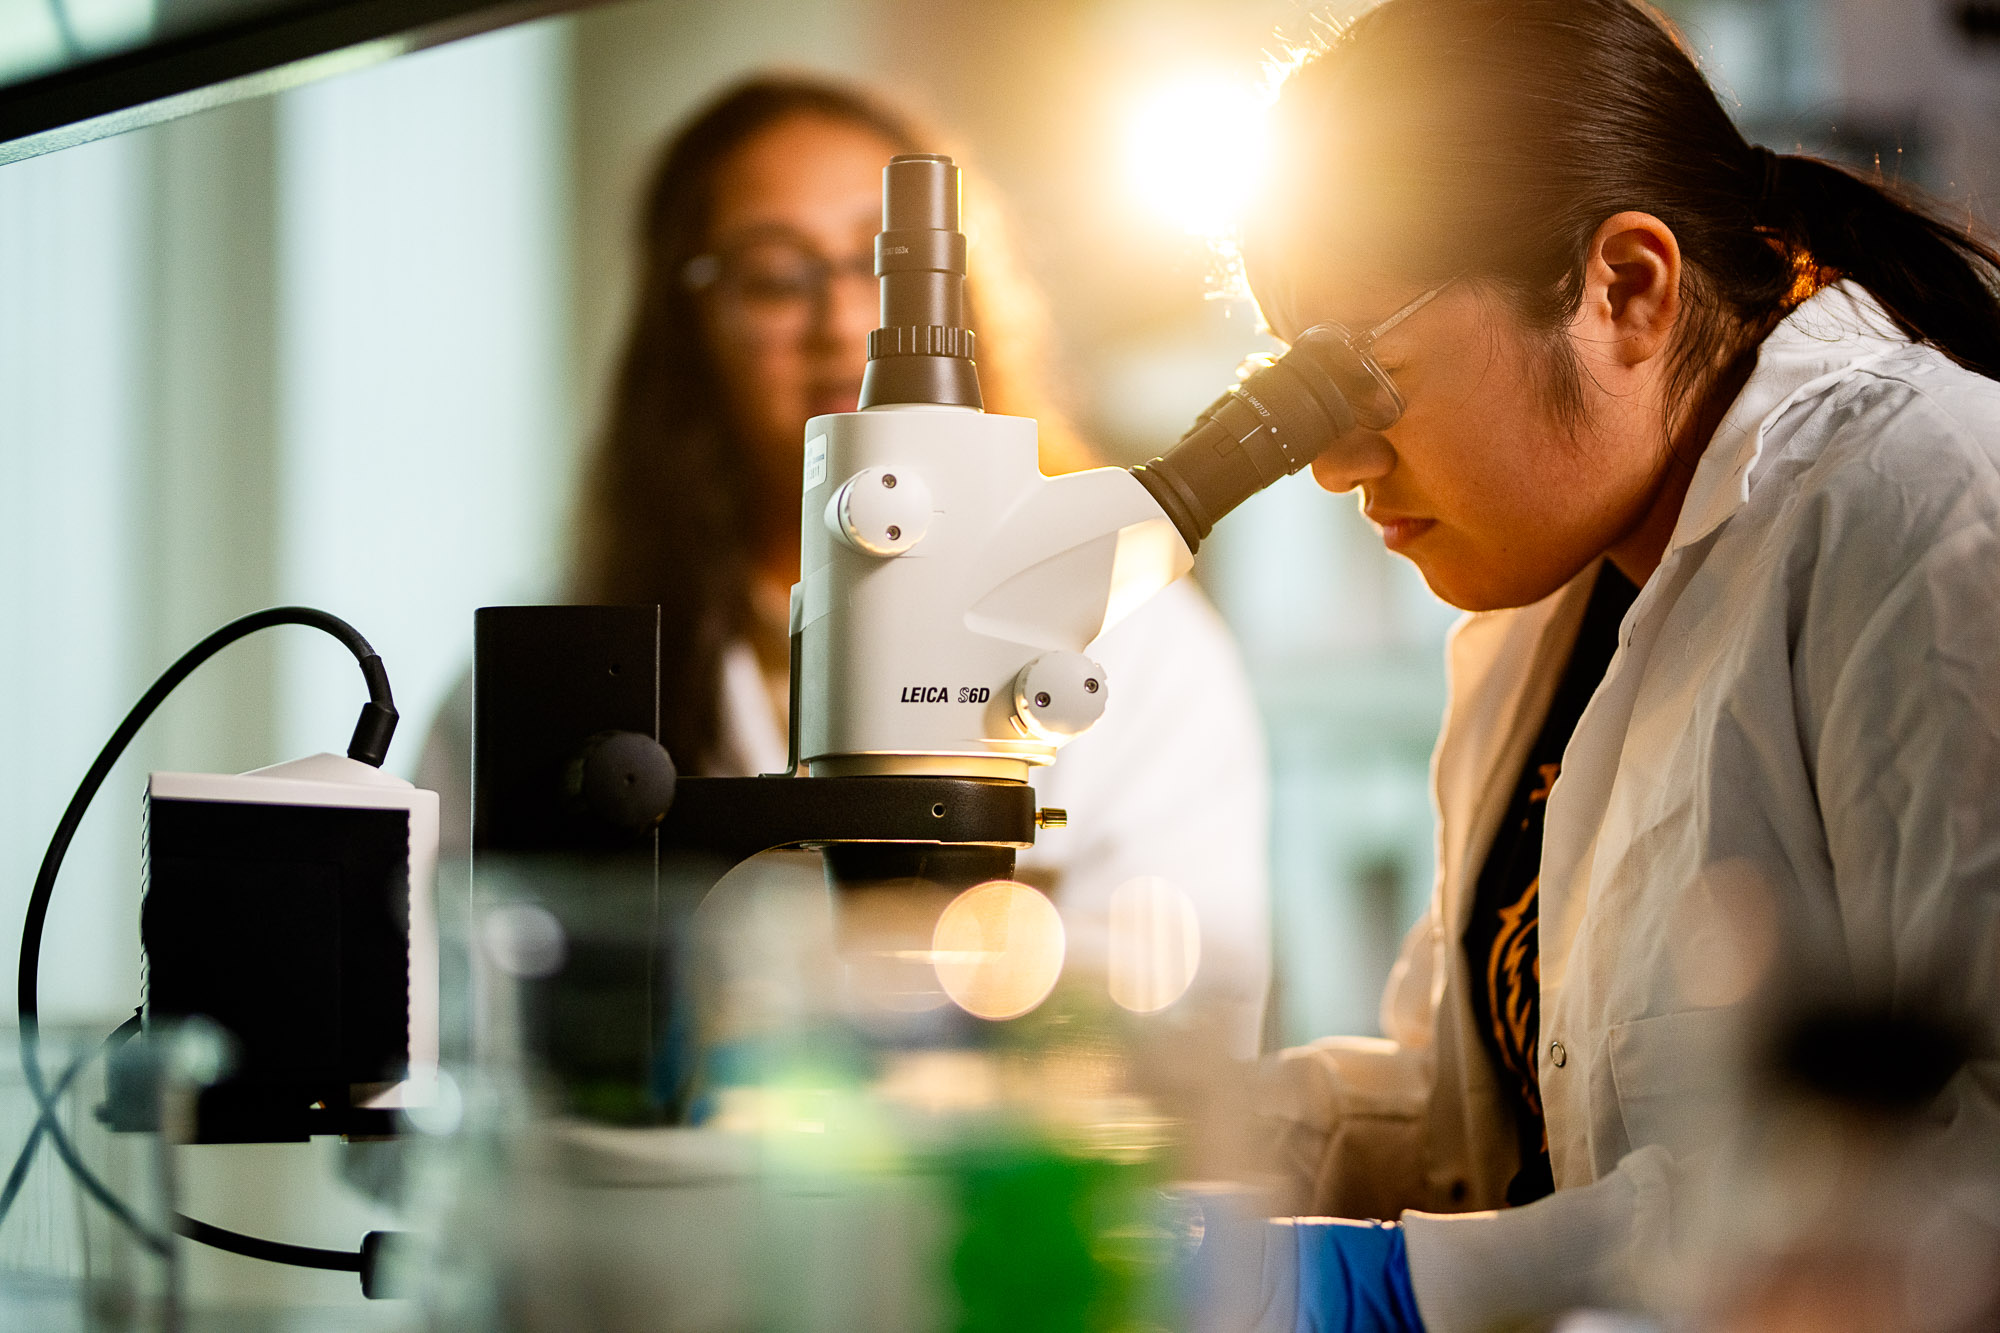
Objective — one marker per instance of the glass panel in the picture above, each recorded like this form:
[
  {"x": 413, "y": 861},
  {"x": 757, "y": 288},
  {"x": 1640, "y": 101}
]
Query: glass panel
[{"x": 39, "y": 37}]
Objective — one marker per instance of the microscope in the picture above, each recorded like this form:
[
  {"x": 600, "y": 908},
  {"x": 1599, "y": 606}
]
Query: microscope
[
  {"x": 940, "y": 629},
  {"x": 948, "y": 596}
]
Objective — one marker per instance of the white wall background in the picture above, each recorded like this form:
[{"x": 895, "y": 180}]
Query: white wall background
[
  {"x": 304, "y": 350},
  {"x": 422, "y": 364},
  {"x": 72, "y": 250}
]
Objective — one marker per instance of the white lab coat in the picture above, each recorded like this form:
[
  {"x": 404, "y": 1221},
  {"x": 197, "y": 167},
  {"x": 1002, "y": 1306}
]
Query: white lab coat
[
  {"x": 1796, "y": 748},
  {"x": 1172, "y": 782}
]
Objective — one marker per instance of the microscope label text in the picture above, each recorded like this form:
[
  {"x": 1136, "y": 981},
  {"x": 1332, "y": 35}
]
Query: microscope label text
[{"x": 942, "y": 694}]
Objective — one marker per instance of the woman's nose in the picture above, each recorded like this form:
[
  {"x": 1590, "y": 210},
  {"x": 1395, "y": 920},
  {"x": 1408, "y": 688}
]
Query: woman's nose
[{"x": 1356, "y": 457}]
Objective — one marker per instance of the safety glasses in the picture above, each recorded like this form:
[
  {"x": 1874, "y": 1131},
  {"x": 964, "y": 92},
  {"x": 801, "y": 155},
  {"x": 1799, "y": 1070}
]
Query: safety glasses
[
  {"x": 774, "y": 281},
  {"x": 1349, "y": 358}
]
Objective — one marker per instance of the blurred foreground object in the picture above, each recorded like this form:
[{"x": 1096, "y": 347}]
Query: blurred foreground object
[
  {"x": 1854, "y": 1199},
  {"x": 65, "y": 1261},
  {"x": 859, "y": 1151}
]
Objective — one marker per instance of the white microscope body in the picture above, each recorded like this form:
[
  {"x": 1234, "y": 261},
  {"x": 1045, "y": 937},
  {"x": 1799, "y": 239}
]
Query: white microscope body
[
  {"x": 950, "y": 590},
  {"x": 947, "y": 588}
]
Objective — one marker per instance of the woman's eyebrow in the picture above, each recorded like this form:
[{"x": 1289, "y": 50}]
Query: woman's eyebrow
[{"x": 753, "y": 232}]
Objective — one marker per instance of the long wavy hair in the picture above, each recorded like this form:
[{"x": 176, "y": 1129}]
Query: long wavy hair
[
  {"x": 1491, "y": 139},
  {"x": 666, "y": 503}
]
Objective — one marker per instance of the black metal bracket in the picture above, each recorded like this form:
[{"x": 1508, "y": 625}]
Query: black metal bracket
[{"x": 736, "y": 818}]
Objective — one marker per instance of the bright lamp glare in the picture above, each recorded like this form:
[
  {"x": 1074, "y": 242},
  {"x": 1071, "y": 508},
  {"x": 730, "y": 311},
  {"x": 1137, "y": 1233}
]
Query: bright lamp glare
[{"x": 1195, "y": 151}]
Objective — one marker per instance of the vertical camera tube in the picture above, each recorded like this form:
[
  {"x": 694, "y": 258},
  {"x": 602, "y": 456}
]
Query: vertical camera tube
[{"x": 923, "y": 351}]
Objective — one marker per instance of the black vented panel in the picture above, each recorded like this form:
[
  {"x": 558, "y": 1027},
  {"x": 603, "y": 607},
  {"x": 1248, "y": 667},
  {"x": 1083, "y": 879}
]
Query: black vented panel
[{"x": 288, "y": 927}]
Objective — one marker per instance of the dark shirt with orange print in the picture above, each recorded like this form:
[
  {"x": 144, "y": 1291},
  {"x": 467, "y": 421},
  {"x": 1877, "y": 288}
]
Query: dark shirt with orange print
[{"x": 1502, "y": 942}]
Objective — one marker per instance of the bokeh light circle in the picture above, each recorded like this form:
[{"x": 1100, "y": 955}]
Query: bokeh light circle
[
  {"x": 525, "y": 940},
  {"x": 998, "y": 949},
  {"x": 1155, "y": 944}
]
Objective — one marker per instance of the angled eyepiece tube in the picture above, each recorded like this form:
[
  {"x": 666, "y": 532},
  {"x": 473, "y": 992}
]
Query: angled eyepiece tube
[
  {"x": 1274, "y": 423},
  {"x": 923, "y": 351}
]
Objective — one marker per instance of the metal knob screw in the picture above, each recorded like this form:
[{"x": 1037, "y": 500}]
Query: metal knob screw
[
  {"x": 1042, "y": 699},
  {"x": 1091, "y": 684},
  {"x": 1051, "y": 817},
  {"x": 888, "y": 481}
]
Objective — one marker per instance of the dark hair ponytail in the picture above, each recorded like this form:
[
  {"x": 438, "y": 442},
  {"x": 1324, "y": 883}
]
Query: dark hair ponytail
[
  {"x": 1492, "y": 138},
  {"x": 1935, "y": 280}
]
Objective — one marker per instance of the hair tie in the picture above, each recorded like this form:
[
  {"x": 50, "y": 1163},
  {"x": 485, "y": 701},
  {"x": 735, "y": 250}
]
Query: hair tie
[{"x": 1768, "y": 165}]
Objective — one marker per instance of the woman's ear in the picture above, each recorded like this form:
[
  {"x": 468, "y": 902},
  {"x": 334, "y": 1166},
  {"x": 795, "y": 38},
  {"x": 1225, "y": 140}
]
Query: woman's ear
[{"x": 1631, "y": 291}]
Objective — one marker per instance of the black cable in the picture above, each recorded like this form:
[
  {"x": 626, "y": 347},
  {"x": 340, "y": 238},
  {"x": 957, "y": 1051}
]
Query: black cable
[
  {"x": 272, "y": 1251},
  {"x": 370, "y": 745}
]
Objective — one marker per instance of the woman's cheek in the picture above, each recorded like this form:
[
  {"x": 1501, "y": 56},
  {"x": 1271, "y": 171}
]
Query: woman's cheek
[
  {"x": 776, "y": 414},
  {"x": 1476, "y": 567}
]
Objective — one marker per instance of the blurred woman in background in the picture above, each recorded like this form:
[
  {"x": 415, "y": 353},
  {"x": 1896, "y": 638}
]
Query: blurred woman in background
[{"x": 756, "y": 296}]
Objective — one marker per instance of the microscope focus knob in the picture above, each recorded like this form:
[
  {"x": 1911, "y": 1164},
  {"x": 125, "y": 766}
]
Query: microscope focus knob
[
  {"x": 1059, "y": 696},
  {"x": 881, "y": 511}
]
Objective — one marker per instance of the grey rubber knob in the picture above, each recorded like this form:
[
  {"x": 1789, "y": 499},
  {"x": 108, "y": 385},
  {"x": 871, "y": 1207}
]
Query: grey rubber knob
[{"x": 626, "y": 779}]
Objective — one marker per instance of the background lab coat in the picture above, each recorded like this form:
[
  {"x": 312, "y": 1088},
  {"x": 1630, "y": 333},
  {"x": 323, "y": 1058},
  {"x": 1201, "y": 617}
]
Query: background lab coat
[
  {"x": 1796, "y": 746},
  {"x": 1172, "y": 782}
]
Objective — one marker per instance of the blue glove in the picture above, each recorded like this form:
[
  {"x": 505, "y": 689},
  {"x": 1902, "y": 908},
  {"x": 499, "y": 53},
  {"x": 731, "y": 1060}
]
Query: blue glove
[
  {"x": 1244, "y": 1273},
  {"x": 1353, "y": 1277}
]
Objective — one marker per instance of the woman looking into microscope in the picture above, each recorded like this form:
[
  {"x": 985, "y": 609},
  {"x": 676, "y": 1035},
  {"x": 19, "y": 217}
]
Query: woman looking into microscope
[
  {"x": 756, "y": 294},
  {"x": 1707, "y": 441}
]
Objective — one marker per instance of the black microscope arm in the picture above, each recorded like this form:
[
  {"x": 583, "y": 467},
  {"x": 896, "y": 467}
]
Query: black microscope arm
[{"x": 735, "y": 818}]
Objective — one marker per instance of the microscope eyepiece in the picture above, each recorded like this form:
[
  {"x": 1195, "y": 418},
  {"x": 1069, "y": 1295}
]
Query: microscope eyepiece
[
  {"x": 920, "y": 190},
  {"x": 923, "y": 353},
  {"x": 1280, "y": 418}
]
